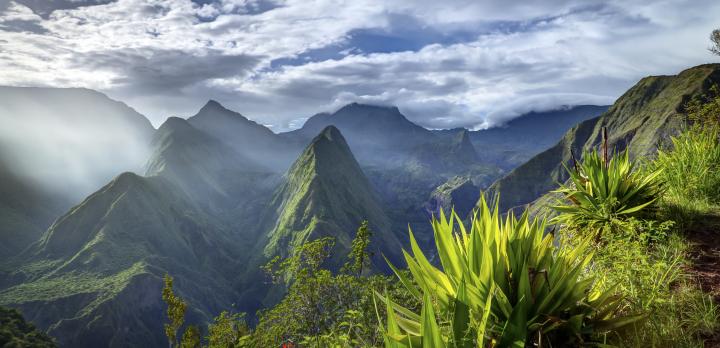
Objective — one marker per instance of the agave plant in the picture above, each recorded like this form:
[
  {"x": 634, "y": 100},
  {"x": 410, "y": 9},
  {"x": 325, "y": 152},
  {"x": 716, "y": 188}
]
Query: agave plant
[
  {"x": 502, "y": 284},
  {"x": 601, "y": 191}
]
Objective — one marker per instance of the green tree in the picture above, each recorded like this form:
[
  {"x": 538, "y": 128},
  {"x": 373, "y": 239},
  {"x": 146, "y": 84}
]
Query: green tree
[
  {"x": 303, "y": 262},
  {"x": 715, "y": 39},
  {"x": 359, "y": 256},
  {"x": 227, "y": 330},
  {"x": 175, "y": 311},
  {"x": 191, "y": 337}
]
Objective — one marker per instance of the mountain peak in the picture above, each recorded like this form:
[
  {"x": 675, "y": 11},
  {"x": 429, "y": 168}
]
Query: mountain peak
[
  {"x": 212, "y": 104},
  {"x": 357, "y": 106},
  {"x": 174, "y": 124},
  {"x": 331, "y": 133}
]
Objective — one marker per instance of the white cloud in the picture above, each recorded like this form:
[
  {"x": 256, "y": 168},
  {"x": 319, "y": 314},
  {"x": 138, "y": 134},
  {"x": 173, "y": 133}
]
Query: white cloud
[{"x": 167, "y": 56}]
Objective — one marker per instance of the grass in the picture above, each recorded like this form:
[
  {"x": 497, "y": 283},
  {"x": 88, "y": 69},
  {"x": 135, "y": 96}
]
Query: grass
[{"x": 691, "y": 175}]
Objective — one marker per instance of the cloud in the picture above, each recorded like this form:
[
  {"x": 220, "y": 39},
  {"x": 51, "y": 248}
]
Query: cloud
[
  {"x": 445, "y": 64},
  {"x": 162, "y": 72}
]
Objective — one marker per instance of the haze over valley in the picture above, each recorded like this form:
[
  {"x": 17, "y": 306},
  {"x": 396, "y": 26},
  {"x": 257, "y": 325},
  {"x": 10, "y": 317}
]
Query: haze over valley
[{"x": 254, "y": 173}]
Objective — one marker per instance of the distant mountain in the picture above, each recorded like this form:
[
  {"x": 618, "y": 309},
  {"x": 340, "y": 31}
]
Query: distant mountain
[
  {"x": 194, "y": 216},
  {"x": 70, "y": 141},
  {"x": 325, "y": 193},
  {"x": 57, "y": 145},
  {"x": 642, "y": 118},
  {"x": 376, "y": 134},
  {"x": 521, "y": 138},
  {"x": 207, "y": 169},
  {"x": 26, "y": 211},
  {"x": 458, "y": 194},
  {"x": 253, "y": 141}
]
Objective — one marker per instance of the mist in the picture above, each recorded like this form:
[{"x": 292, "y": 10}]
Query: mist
[{"x": 69, "y": 142}]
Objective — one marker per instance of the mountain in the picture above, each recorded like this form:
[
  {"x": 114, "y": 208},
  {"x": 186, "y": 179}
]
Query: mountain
[
  {"x": 325, "y": 193},
  {"x": 516, "y": 141},
  {"x": 642, "y": 118},
  {"x": 254, "y": 141},
  {"x": 25, "y": 212},
  {"x": 458, "y": 193},
  {"x": 46, "y": 132},
  {"x": 46, "y": 164},
  {"x": 207, "y": 169},
  {"x": 94, "y": 278},
  {"x": 376, "y": 134}
]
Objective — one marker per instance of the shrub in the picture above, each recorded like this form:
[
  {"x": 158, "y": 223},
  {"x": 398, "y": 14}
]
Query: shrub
[
  {"x": 602, "y": 193},
  {"x": 503, "y": 282},
  {"x": 690, "y": 171}
]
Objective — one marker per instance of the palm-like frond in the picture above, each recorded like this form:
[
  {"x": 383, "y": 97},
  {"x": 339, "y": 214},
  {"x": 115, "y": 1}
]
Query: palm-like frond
[
  {"x": 600, "y": 191},
  {"x": 504, "y": 283}
]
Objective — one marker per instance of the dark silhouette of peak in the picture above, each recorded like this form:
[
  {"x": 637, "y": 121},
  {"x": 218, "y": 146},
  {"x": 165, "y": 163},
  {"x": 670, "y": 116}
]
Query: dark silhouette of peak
[
  {"x": 174, "y": 124},
  {"x": 332, "y": 133},
  {"x": 248, "y": 138},
  {"x": 213, "y": 104}
]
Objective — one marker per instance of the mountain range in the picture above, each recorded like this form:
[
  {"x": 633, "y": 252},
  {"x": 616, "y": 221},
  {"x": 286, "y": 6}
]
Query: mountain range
[{"x": 216, "y": 196}]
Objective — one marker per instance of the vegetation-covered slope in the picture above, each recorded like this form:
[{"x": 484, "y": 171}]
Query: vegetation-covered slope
[
  {"x": 109, "y": 252},
  {"x": 641, "y": 119},
  {"x": 327, "y": 194},
  {"x": 46, "y": 164}
]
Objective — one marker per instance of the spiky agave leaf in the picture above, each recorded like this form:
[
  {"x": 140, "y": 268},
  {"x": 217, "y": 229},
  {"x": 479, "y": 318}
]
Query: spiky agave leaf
[
  {"x": 505, "y": 282},
  {"x": 600, "y": 192}
]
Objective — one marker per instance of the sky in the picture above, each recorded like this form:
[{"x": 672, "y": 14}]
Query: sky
[{"x": 445, "y": 64}]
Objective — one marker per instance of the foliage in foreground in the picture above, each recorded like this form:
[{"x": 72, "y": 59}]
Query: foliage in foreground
[
  {"x": 321, "y": 309},
  {"x": 645, "y": 260},
  {"x": 691, "y": 172},
  {"x": 502, "y": 284},
  {"x": 651, "y": 274}
]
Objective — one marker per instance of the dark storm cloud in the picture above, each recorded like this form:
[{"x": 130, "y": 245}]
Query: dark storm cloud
[{"x": 164, "y": 72}]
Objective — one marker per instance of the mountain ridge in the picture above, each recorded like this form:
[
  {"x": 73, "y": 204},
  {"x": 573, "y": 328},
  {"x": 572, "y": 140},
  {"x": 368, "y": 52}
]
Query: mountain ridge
[{"x": 644, "y": 116}]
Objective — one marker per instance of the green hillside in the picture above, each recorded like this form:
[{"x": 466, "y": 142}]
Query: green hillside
[
  {"x": 641, "y": 119},
  {"x": 111, "y": 251},
  {"x": 326, "y": 194}
]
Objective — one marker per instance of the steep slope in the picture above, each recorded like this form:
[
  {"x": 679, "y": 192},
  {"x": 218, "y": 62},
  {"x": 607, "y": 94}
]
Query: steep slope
[
  {"x": 253, "y": 141},
  {"x": 94, "y": 277},
  {"x": 46, "y": 165},
  {"x": 642, "y": 118},
  {"x": 327, "y": 194},
  {"x": 26, "y": 211},
  {"x": 208, "y": 170},
  {"x": 458, "y": 193},
  {"x": 523, "y": 137}
]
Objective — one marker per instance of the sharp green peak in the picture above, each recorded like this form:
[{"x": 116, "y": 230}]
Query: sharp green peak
[
  {"x": 326, "y": 193},
  {"x": 330, "y": 135}
]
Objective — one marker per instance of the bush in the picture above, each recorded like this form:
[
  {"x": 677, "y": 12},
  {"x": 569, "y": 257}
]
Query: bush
[
  {"x": 690, "y": 171},
  {"x": 602, "y": 193},
  {"x": 503, "y": 282}
]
